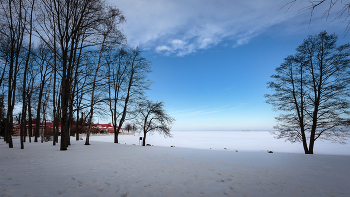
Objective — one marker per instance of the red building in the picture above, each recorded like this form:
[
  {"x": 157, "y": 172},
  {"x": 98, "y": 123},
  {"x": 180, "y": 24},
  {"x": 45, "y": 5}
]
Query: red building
[
  {"x": 105, "y": 127},
  {"x": 48, "y": 127}
]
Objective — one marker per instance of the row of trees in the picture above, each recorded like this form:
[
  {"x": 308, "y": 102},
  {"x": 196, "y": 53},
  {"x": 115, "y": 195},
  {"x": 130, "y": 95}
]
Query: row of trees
[{"x": 68, "y": 60}]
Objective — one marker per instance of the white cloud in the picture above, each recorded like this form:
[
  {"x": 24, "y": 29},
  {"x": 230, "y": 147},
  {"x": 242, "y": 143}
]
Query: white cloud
[
  {"x": 163, "y": 48},
  {"x": 178, "y": 44},
  {"x": 184, "y": 27}
]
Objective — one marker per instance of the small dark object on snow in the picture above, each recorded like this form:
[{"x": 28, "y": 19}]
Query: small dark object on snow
[
  {"x": 172, "y": 146},
  {"x": 236, "y": 150},
  {"x": 148, "y": 145},
  {"x": 269, "y": 151},
  {"x": 225, "y": 148}
]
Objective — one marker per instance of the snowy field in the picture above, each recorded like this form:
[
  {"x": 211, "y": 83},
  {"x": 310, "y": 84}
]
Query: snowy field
[{"x": 108, "y": 169}]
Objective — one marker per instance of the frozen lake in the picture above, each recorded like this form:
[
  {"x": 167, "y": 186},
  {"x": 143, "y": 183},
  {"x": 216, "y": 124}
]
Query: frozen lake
[{"x": 228, "y": 140}]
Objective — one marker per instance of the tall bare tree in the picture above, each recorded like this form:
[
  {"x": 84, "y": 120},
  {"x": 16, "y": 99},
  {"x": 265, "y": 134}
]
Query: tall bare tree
[
  {"x": 13, "y": 30},
  {"x": 80, "y": 86},
  {"x": 127, "y": 79},
  {"x": 110, "y": 36},
  {"x": 29, "y": 51},
  {"x": 71, "y": 22},
  {"x": 116, "y": 75},
  {"x": 44, "y": 69},
  {"x": 311, "y": 87}
]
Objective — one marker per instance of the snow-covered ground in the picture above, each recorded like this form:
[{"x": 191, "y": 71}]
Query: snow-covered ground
[{"x": 108, "y": 169}]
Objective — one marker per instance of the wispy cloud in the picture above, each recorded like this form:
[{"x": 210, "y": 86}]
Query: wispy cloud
[
  {"x": 188, "y": 110},
  {"x": 208, "y": 110},
  {"x": 183, "y": 27}
]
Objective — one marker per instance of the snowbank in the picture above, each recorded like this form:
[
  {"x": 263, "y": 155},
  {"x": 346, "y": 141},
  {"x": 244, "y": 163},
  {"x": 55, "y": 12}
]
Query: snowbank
[{"x": 108, "y": 169}]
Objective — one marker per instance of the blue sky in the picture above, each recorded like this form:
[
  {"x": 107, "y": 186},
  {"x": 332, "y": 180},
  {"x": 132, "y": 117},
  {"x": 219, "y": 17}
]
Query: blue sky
[{"x": 211, "y": 59}]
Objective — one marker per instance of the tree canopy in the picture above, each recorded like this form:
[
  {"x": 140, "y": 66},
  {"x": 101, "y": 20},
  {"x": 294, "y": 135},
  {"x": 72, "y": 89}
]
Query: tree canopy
[{"x": 312, "y": 89}]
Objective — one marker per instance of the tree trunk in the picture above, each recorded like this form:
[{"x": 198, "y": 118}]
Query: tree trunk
[
  {"x": 116, "y": 133},
  {"x": 24, "y": 107},
  {"x": 30, "y": 127},
  {"x": 77, "y": 127},
  {"x": 70, "y": 118},
  {"x": 37, "y": 125},
  {"x": 21, "y": 131},
  {"x": 311, "y": 146},
  {"x": 87, "y": 140},
  {"x": 43, "y": 132},
  {"x": 122, "y": 119},
  {"x": 58, "y": 117},
  {"x": 54, "y": 87},
  {"x": 93, "y": 91},
  {"x": 64, "y": 118},
  {"x": 10, "y": 141},
  {"x": 16, "y": 28},
  {"x": 144, "y": 139}
]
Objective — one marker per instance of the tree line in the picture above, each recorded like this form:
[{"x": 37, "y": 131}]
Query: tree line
[{"x": 68, "y": 60}]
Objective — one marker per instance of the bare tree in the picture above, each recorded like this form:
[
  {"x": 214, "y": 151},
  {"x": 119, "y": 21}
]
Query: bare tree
[
  {"x": 152, "y": 117},
  {"x": 80, "y": 84},
  {"x": 342, "y": 9},
  {"x": 30, "y": 89},
  {"x": 54, "y": 70},
  {"x": 127, "y": 82},
  {"x": 116, "y": 75},
  {"x": 12, "y": 30},
  {"x": 134, "y": 127},
  {"x": 24, "y": 94},
  {"x": 311, "y": 87},
  {"x": 69, "y": 23},
  {"x": 44, "y": 69},
  {"x": 110, "y": 35},
  {"x": 128, "y": 127}
]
